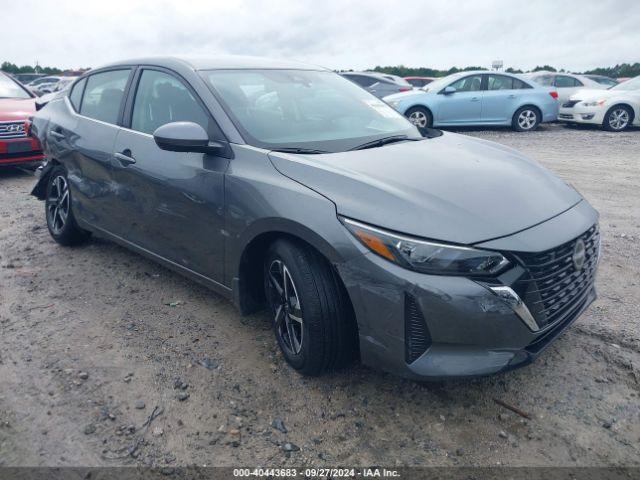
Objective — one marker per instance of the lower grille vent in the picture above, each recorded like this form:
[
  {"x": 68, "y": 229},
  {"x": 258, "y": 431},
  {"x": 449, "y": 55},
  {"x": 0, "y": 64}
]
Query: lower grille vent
[{"x": 417, "y": 338}]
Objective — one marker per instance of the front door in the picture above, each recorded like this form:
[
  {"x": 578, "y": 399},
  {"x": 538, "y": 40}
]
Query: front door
[
  {"x": 462, "y": 106},
  {"x": 174, "y": 201}
]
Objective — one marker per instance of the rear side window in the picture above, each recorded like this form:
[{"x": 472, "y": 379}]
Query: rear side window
[
  {"x": 162, "y": 98},
  {"x": 520, "y": 85},
  {"x": 500, "y": 82},
  {"x": 103, "y": 95},
  {"x": 362, "y": 80},
  {"x": 75, "y": 96},
  {"x": 546, "y": 80},
  {"x": 562, "y": 81}
]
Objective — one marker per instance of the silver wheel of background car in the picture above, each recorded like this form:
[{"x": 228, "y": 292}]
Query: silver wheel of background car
[
  {"x": 619, "y": 119},
  {"x": 419, "y": 119},
  {"x": 58, "y": 204},
  {"x": 288, "y": 313},
  {"x": 527, "y": 119}
]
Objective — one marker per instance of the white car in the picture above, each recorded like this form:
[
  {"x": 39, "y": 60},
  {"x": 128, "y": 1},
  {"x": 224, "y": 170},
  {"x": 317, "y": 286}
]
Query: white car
[
  {"x": 565, "y": 83},
  {"x": 615, "y": 109}
]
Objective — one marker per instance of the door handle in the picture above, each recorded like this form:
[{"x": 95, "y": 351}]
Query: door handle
[
  {"x": 57, "y": 135},
  {"x": 512, "y": 96},
  {"x": 475, "y": 99},
  {"x": 125, "y": 157}
]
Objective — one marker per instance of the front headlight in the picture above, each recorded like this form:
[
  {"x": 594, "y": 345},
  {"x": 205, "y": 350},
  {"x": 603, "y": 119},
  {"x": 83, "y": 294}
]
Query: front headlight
[
  {"x": 394, "y": 104},
  {"x": 597, "y": 103},
  {"x": 426, "y": 256}
]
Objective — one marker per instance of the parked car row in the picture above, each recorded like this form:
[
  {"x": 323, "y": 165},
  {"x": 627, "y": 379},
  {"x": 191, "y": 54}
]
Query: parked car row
[{"x": 476, "y": 98}]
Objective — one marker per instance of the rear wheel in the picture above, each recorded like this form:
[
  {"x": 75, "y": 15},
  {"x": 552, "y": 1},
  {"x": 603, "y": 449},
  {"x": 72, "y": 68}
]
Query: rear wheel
[
  {"x": 526, "y": 119},
  {"x": 60, "y": 220},
  {"x": 420, "y": 117},
  {"x": 312, "y": 318},
  {"x": 618, "y": 118}
]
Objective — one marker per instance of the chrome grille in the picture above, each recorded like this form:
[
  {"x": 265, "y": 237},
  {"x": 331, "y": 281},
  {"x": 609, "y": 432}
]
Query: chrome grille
[
  {"x": 571, "y": 103},
  {"x": 12, "y": 130},
  {"x": 556, "y": 288}
]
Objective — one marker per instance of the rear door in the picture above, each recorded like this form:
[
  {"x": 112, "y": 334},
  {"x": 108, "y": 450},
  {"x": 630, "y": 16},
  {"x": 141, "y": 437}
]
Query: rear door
[
  {"x": 174, "y": 200},
  {"x": 463, "y": 106},
  {"x": 501, "y": 98},
  {"x": 83, "y": 141}
]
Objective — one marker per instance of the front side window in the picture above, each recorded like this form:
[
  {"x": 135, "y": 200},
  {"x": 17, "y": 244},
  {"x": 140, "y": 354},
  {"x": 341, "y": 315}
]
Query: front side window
[
  {"x": 10, "y": 89},
  {"x": 103, "y": 95},
  {"x": 472, "y": 83},
  {"x": 160, "y": 99},
  {"x": 75, "y": 96},
  {"x": 317, "y": 110}
]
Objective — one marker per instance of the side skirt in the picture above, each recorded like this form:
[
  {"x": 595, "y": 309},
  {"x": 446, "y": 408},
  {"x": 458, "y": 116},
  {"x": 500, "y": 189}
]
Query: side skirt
[{"x": 171, "y": 265}]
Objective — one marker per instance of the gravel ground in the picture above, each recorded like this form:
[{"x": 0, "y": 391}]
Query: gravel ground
[{"x": 93, "y": 339}]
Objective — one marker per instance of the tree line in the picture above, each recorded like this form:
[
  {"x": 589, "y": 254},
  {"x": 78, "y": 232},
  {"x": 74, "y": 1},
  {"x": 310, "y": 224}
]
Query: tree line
[{"x": 621, "y": 70}]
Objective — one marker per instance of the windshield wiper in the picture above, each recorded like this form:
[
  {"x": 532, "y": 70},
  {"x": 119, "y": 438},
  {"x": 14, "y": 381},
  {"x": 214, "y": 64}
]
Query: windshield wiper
[
  {"x": 309, "y": 151},
  {"x": 384, "y": 141}
]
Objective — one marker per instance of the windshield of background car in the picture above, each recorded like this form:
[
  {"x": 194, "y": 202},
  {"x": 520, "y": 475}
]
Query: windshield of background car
[
  {"x": 439, "y": 84},
  {"x": 633, "y": 84},
  {"x": 304, "y": 109},
  {"x": 10, "y": 89}
]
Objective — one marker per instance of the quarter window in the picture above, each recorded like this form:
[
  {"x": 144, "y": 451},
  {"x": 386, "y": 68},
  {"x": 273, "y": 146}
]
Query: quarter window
[
  {"x": 103, "y": 95},
  {"x": 161, "y": 98},
  {"x": 75, "y": 96},
  {"x": 472, "y": 83}
]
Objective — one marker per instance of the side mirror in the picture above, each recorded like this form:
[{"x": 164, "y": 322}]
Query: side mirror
[
  {"x": 186, "y": 137},
  {"x": 449, "y": 90}
]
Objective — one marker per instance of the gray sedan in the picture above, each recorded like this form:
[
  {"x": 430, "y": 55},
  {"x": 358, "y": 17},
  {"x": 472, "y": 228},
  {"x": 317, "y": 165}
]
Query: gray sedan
[{"x": 284, "y": 186}]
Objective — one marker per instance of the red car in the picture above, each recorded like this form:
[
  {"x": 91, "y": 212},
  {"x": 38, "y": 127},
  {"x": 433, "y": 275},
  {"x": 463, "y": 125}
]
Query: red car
[{"x": 17, "y": 104}]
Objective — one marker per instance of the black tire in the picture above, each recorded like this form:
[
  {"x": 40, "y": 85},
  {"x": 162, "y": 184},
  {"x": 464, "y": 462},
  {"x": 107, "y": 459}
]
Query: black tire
[
  {"x": 624, "y": 118},
  {"x": 420, "y": 117},
  {"x": 526, "y": 119},
  {"x": 62, "y": 226},
  {"x": 326, "y": 333}
]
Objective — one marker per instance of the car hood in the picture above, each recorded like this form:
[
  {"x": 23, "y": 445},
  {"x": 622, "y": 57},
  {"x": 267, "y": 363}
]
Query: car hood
[
  {"x": 451, "y": 188},
  {"x": 588, "y": 94},
  {"x": 16, "y": 109}
]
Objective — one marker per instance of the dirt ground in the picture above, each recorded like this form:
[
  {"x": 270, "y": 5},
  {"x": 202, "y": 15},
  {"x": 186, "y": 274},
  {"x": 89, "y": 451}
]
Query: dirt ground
[{"x": 94, "y": 338}]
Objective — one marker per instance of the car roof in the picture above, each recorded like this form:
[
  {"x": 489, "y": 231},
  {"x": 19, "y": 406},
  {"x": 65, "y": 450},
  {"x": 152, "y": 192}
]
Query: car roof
[{"x": 225, "y": 62}]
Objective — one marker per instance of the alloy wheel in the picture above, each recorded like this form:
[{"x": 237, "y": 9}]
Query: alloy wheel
[
  {"x": 418, "y": 118},
  {"x": 527, "y": 119},
  {"x": 58, "y": 204},
  {"x": 619, "y": 119},
  {"x": 288, "y": 313}
]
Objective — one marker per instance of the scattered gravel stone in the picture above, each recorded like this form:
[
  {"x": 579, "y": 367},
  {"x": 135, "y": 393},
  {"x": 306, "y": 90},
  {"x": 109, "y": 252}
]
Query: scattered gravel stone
[
  {"x": 503, "y": 434},
  {"x": 83, "y": 375},
  {"x": 89, "y": 429},
  {"x": 278, "y": 424},
  {"x": 182, "y": 396},
  {"x": 209, "y": 364},
  {"x": 290, "y": 447},
  {"x": 140, "y": 404}
]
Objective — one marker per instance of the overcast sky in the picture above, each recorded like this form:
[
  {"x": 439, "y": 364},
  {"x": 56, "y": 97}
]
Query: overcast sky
[{"x": 340, "y": 34}]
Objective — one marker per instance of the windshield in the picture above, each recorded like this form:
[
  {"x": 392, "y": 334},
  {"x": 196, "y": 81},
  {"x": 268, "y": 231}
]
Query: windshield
[
  {"x": 10, "y": 89},
  {"x": 316, "y": 110},
  {"x": 633, "y": 84},
  {"x": 440, "y": 83}
]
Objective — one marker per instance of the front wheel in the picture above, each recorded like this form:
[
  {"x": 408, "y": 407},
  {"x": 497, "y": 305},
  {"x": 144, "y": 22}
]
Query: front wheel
[
  {"x": 60, "y": 220},
  {"x": 420, "y": 117},
  {"x": 312, "y": 318},
  {"x": 617, "y": 119},
  {"x": 526, "y": 119}
]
